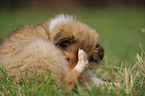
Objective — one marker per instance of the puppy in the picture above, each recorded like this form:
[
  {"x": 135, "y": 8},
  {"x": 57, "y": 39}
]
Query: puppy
[{"x": 52, "y": 45}]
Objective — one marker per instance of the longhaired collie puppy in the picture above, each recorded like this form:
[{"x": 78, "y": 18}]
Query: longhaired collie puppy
[{"x": 63, "y": 45}]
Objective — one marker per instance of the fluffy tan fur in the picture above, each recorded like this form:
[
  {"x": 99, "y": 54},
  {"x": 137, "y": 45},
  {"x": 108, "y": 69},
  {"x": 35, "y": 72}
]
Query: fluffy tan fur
[
  {"x": 36, "y": 48},
  {"x": 30, "y": 50}
]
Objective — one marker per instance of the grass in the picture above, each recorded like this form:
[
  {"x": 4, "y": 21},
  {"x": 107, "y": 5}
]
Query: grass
[{"x": 121, "y": 36}]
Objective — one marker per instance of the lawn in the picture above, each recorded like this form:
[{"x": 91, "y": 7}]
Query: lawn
[{"x": 121, "y": 36}]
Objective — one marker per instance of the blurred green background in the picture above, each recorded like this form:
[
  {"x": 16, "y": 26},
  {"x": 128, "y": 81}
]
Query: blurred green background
[{"x": 118, "y": 22}]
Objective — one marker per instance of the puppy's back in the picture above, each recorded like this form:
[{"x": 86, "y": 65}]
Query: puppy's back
[{"x": 30, "y": 49}]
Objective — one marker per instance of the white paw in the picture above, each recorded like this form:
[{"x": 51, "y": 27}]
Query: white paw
[
  {"x": 83, "y": 61},
  {"x": 82, "y": 55}
]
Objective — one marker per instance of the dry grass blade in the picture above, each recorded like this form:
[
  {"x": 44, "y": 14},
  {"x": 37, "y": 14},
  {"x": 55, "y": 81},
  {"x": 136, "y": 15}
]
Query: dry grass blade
[{"x": 126, "y": 81}]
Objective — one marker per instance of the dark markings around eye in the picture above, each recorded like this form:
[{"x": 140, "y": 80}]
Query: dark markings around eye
[{"x": 67, "y": 59}]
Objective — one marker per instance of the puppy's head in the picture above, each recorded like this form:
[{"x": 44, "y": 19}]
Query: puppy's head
[{"x": 69, "y": 35}]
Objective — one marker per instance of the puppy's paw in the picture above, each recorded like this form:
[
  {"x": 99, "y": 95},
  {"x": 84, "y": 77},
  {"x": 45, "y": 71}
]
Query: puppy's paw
[
  {"x": 82, "y": 56},
  {"x": 83, "y": 61}
]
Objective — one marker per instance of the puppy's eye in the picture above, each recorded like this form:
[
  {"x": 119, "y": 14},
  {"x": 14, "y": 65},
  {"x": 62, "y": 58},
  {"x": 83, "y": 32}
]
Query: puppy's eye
[
  {"x": 67, "y": 59},
  {"x": 65, "y": 43}
]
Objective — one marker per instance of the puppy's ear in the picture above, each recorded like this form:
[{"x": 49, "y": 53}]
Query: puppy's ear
[
  {"x": 63, "y": 39},
  {"x": 100, "y": 51},
  {"x": 95, "y": 56}
]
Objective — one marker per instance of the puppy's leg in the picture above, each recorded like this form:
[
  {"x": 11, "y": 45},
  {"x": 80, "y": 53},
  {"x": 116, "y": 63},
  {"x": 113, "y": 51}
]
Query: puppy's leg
[
  {"x": 69, "y": 80},
  {"x": 96, "y": 80}
]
